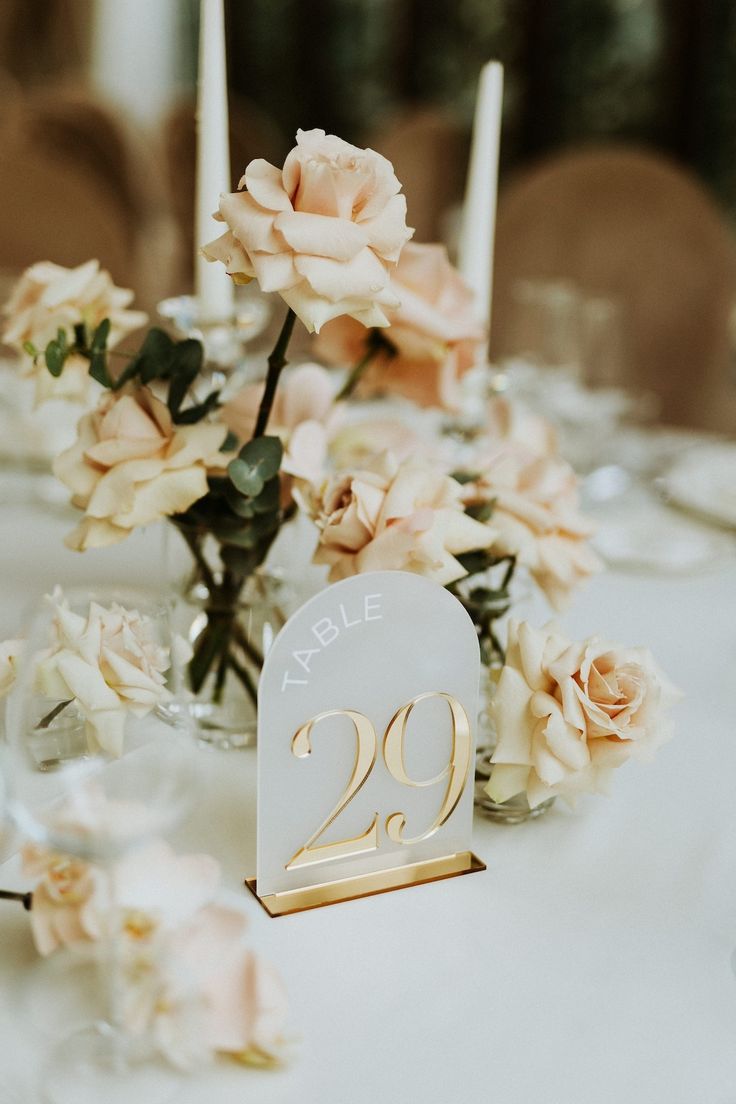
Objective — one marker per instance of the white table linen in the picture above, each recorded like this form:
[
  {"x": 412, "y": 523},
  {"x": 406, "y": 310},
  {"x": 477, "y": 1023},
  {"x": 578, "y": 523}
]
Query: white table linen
[{"x": 589, "y": 964}]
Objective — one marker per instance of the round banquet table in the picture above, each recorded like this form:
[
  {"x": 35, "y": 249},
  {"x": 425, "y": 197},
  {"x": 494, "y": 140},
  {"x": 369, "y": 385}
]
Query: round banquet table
[{"x": 590, "y": 962}]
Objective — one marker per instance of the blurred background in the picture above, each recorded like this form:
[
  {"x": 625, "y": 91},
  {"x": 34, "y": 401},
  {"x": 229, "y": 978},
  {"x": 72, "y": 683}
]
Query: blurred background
[{"x": 615, "y": 240}]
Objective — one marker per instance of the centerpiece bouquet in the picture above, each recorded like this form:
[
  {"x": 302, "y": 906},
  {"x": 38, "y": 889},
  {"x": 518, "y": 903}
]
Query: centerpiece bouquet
[{"x": 374, "y": 456}]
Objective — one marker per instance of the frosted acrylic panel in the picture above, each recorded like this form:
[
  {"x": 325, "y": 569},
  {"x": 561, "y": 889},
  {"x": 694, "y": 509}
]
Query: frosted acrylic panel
[{"x": 369, "y": 644}]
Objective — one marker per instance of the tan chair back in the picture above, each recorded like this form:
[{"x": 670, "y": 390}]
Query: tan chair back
[{"x": 629, "y": 224}]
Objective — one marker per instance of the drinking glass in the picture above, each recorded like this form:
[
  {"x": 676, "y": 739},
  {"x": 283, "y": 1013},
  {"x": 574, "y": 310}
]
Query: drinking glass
[{"x": 99, "y": 762}]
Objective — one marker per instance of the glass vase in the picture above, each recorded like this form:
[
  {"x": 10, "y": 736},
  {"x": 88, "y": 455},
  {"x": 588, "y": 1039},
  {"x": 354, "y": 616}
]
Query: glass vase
[
  {"x": 229, "y": 630},
  {"x": 516, "y": 809}
]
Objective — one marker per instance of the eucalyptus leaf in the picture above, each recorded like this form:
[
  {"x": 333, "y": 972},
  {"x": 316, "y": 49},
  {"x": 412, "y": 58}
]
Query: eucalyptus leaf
[
  {"x": 196, "y": 413},
  {"x": 100, "y": 336},
  {"x": 55, "y": 356},
  {"x": 98, "y": 368}
]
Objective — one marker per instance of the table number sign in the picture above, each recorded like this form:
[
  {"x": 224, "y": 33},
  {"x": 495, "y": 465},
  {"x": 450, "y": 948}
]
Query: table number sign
[{"x": 367, "y": 710}]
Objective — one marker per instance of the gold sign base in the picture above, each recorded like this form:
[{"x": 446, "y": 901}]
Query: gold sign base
[{"x": 366, "y": 885}]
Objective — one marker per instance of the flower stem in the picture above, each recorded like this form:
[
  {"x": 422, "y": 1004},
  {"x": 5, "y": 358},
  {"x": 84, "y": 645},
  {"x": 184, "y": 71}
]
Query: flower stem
[
  {"x": 375, "y": 343},
  {"x": 276, "y": 363},
  {"x": 46, "y": 721},
  {"x": 26, "y": 899}
]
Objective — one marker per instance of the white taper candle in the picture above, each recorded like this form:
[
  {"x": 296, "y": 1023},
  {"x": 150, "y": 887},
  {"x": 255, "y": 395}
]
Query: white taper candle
[
  {"x": 213, "y": 287},
  {"x": 477, "y": 231}
]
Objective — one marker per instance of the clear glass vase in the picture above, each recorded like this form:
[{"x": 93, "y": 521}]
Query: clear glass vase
[
  {"x": 230, "y": 633},
  {"x": 516, "y": 809}
]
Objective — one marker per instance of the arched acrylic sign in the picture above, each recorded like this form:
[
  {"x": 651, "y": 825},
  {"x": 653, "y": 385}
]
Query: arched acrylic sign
[{"x": 367, "y": 712}]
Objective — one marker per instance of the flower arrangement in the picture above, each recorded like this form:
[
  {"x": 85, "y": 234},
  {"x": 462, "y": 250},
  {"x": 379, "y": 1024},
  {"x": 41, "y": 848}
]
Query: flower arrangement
[{"x": 385, "y": 488}]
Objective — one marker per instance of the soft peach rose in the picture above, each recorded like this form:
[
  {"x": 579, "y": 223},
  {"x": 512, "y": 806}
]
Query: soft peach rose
[
  {"x": 303, "y": 415},
  {"x": 324, "y": 232},
  {"x": 49, "y": 297},
  {"x": 536, "y": 518},
  {"x": 434, "y": 330},
  {"x": 567, "y": 714},
  {"x": 244, "y": 1004},
  {"x": 9, "y": 652},
  {"x": 511, "y": 423},
  {"x": 397, "y": 517},
  {"x": 109, "y": 663},
  {"x": 63, "y": 912},
  {"x": 131, "y": 465}
]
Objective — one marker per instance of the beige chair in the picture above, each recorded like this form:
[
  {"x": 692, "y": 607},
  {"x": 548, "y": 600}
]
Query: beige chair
[
  {"x": 629, "y": 224},
  {"x": 50, "y": 210}
]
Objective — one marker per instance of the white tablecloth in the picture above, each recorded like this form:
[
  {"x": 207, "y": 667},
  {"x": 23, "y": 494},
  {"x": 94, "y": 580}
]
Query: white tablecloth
[{"x": 589, "y": 964}]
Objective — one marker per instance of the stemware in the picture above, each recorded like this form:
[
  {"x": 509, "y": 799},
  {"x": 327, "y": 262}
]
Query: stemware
[{"x": 99, "y": 762}]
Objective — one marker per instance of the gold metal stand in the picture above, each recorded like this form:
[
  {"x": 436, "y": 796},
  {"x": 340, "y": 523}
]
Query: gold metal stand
[{"x": 366, "y": 885}]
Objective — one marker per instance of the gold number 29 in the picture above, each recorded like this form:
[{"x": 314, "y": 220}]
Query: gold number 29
[
  {"x": 456, "y": 773},
  {"x": 365, "y": 757}
]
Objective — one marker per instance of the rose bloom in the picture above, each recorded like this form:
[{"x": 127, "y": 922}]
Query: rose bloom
[
  {"x": 63, "y": 912},
  {"x": 131, "y": 465},
  {"x": 303, "y": 415},
  {"x": 210, "y": 994},
  {"x": 511, "y": 423},
  {"x": 536, "y": 518},
  {"x": 434, "y": 330},
  {"x": 397, "y": 517},
  {"x": 49, "y": 297},
  {"x": 110, "y": 663},
  {"x": 9, "y": 652},
  {"x": 324, "y": 232},
  {"x": 567, "y": 714}
]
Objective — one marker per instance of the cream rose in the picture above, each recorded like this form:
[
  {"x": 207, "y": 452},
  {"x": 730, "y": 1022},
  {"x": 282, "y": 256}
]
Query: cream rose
[
  {"x": 567, "y": 714},
  {"x": 324, "y": 232},
  {"x": 536, "y": 518},
  {"x": 303, "y": 415},
  {"x": 63, "y": 913},
  {"x": 49, "y": 297},
  {"x": 131, "y": 465},
  {"x": 109, "y": 662},
  {"x": 9, "y": 653},
  {"x": 397, "y": 517},
  {"x": 434, "y": 331}
]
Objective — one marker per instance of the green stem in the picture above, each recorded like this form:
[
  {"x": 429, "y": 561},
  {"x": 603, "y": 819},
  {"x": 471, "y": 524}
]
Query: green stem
[
  {"x": 192, "y": 540},
  {"x": 276, "y": 363},
  {"x": 26, "y": 899},
  {"x": 355, "y": 373},
  {"x": 46, "y": 721}
]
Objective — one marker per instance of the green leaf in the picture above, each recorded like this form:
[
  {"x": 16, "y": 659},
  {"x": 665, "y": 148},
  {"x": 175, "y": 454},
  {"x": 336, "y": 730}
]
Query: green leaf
[
  {"x": 481, "y": 512},
  {"x": 154, "y": 356},
  {"x": 30, "y": 348},
  {"x": 230, "y": 442},
  {"x": 98, "y": 368},
  {"x": 473, "y": 562},
  {"x": 464, "y": 476},
  {"x": 55, "y": 356},
  {"x": 269, "y": 499},
  {"x": 257, "y": 462},
  {"x": 100, "y": 336},
  {"x": 240, "y": 504},
  {"x": 196, "y": 413},
  {"x": 186, "y": 362}
]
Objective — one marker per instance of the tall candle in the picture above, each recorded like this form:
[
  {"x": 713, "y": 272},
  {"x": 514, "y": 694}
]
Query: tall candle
[
  {"x": 213, "y": 287},
  {"x": 475, "y": 248}
]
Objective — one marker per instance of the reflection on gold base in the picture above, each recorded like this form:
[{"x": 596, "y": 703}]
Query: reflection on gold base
[{"x": 367, "y": 885}]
